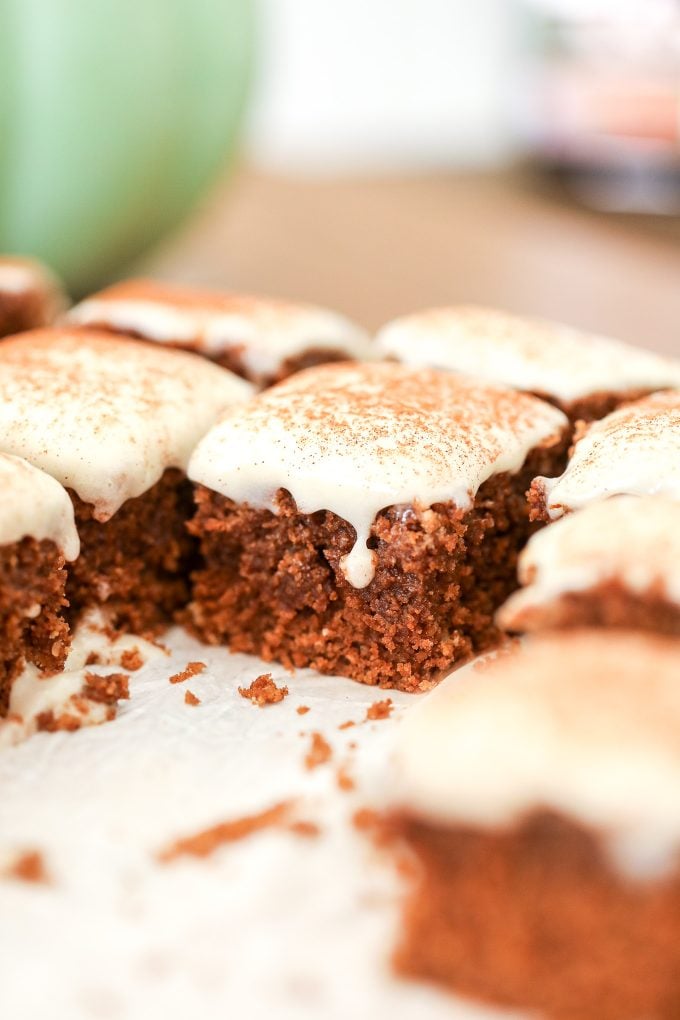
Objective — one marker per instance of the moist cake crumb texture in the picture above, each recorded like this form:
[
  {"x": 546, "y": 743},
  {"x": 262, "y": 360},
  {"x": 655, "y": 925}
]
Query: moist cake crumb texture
[
  {"x": 393, "y": 535},
  {"x": 261, "y": 339},
  {"x": 539, "y": 798},
  {"x": 585, "y": 374}
]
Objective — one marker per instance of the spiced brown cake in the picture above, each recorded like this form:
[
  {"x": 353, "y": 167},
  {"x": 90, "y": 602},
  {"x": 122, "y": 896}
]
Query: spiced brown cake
[
  {"x": 538, "y": 797},
  {"x": 115, "y": 421},
  {"x": 37, "y": 536},
  {"x": 584, "y": 374},
  {"x": 633, "y": 451},
  {"x": 262, "y": 339},
  {"x": 365, "y": 519},
  {"x": 30, "y": 295},
  {"x": 615, "y": 563}
]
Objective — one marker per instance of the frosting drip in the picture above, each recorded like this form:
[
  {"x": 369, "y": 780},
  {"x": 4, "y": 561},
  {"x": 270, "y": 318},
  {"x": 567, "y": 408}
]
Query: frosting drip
[{"x": 355, "y": 439}]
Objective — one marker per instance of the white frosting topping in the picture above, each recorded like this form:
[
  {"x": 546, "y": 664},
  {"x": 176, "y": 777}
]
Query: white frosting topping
[
  {"x": 585, "y": 723},
  {"x": 633, "y": 540},
  {"x": 103, "y": 415},
  {"x": 634, "y": 451},
  {"x": 35, "y": 505},
  {"x": 263, "y": 331},
  {"x": 355, "y": 439},
  {"x": 23, "y": 275},
  {"x": 528, "y": 354}
]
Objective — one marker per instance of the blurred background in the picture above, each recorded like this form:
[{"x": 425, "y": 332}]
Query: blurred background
[{"x": 373, "y": 155}]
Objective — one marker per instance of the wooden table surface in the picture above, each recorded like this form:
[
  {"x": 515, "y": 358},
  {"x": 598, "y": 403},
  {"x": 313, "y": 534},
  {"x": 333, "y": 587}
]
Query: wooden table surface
[{"x": 375, "y": 248}]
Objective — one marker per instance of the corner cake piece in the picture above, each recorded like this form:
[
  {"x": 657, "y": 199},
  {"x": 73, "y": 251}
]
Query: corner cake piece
[
  {"x": 584, "y": 374},
  {"x": 37, "y": 535},
  {"x": 616, "y": 563},
  {"x": 633, "y": 451},
  {"x": 365, "y": 519},
  {"x": 115, "y": 422},
  {"x": 262, "y": 339},
  {"x": 538, "y": 794},
  {"x": 30, "y": 295}
]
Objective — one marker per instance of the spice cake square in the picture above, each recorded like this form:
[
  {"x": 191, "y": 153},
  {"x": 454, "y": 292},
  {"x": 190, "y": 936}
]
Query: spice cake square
[
  {"x": 262, "y": 339},
  {"x": 30, "y": 295},
  {"x": 37, "y": 536},
  {"x": 584, "y": 374},
  {"x": 633, "y": 451},
  {"x": 537, "y": 796},
  {"x": 615, "y": 563},
  {"x": 115, "y": 422},
  {"x": 365, "y": 519}
]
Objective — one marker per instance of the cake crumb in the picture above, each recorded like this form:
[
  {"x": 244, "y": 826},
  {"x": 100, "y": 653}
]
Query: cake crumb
[
  {"x": 263, "y": 691},
  {"x": 48, "y": 722},
  {"x": 347, "y": 725},
  {"x": 319, "y": 752},
  {"x": 93, "y": 659},
  {"x": 379, "y": 710},
  {"x": 305, "y": 828},
  {"x": 206, "y": 842},
  {"x": 191, "y": 699},
  {"x": 191, "y": 669},
  {"x": 365, "y": 819},
  {"x": 344, "y": 780},
  {"x": 106, "y": 690},
  {"x": 29, "y": 867},
  {"x": 132, "y": 659},
  {"x": 302, "y": 709}
]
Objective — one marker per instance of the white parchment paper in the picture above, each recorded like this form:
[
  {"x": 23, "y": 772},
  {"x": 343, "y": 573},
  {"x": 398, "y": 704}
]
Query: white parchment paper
[{"x": 275, "y": 925}]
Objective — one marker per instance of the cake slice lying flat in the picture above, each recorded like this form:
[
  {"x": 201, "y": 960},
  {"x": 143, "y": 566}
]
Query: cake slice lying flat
[
  {"x": 259, "y": 338},
  {"x": 115, "y": 422},
  {"x": 584, "y": 374},
  {"x": 633, "y": 451},
  {"x": 30, "y": 295},
  {"x": 37, "y": 536},
  {"x": 616, "y": 563},
  {"x": 365, "y": 519},
  {"x": 539, "y": 795}
]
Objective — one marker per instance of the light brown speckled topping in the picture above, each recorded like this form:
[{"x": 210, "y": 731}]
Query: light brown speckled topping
[
  {"x": 528, "y": 354},
  {"x": 103, "y": 415},
  {"x": 633, "y": 451},
  {"x": 354, "y": 439},
  {"x": 264, "y": 331}
]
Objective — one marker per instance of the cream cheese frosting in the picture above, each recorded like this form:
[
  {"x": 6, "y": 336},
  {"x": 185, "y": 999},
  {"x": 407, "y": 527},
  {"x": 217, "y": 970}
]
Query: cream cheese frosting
[
  {"x": 106, "y": 416},
  {"x": 528, "y": 354},
  {"x": 35, "y": 505},
  {"x": 583, "y": 723},
  {"x": 354, "y": 439},
  {"x": 263, "y": 331},
  {"x": 22, "y": 275},
  {"x": 633, "y": 451},
  {"x": 633, "y": 540}
]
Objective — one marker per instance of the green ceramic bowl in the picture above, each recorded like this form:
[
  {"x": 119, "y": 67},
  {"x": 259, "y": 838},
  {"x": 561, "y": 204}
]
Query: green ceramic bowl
[{"x": 114, "y": 116}]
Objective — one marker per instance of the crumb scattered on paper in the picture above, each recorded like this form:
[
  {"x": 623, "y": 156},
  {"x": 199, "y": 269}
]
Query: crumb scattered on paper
[
  {"x": 379, "y": 710},
  {"x": 206, "y": 842},
  {"x": 302, "y": 709},
  {"x": 319, "y": 752},
  {"x": 191, "y": 699},
  {"x": 263, "y": 691},
  {"x": 192, "y": 669}
]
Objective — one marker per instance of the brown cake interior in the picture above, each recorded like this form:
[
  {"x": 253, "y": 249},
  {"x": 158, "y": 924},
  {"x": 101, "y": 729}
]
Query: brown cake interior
[
  {"x": 536, "y": 917},
  {"x": 271, "y": 584},
  {"x": 137, "y": 563},
  {"x": 33, "y": 627}
]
